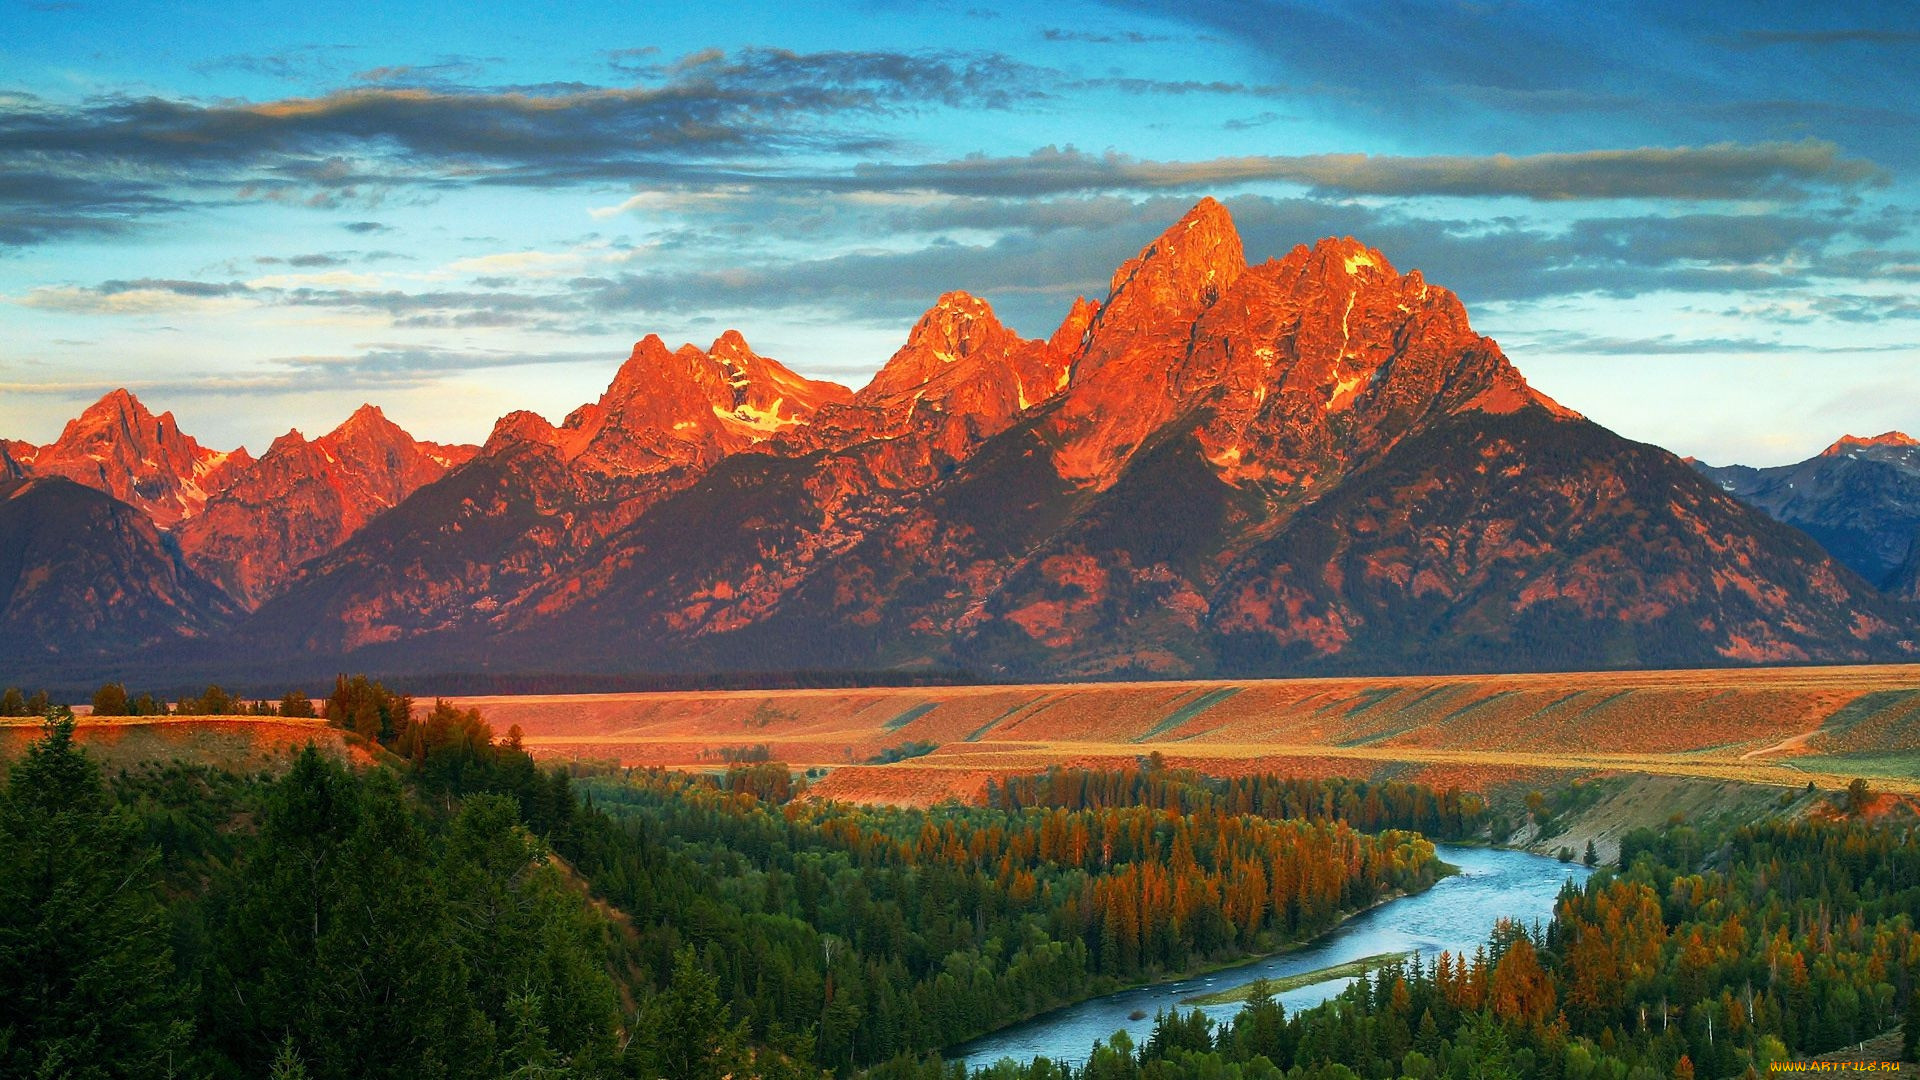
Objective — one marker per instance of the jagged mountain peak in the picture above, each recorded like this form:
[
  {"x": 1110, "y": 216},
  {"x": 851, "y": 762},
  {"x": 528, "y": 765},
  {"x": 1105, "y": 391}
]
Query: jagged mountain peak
[
  {"x": 519, "y": 427},
  {"x": 1896, "y": 440},
  {"x": 1184, "y": 269},
  {"x": 1128, "y": 360},
  {"x": 956, "y": 328},
  {"x": 367, "y": 417},
  {"x": 118, "y": 446},
  {"x": 1860, "y": 498},
  {"x": 1343, "y": 256},
  {"x": 1204, "y": 241},
  {"x": 688, "y": 407},
  {"x": 954, "y": 323},
  {"x": 303, "y": 498},
  {"x": 120, "y": 409},
  {"x": 1071, "y": 335},
  {"x": 961, "y": 377},
  {"x": 1299, "y": 361}
]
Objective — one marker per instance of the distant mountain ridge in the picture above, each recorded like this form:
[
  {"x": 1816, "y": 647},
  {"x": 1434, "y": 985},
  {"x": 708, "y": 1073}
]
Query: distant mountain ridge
[
  {"x": 84, "y": 574},
  {"x": 243, "y": 524},
  {"x": 1860, "y": 498},
  {"x": 118, "y": 447},
  {"x": 302, "y": 499},
  {"x": 1311, "y": 463}
]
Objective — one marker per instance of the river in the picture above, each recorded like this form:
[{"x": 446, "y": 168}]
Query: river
[{"x": 1456, "y": 914}]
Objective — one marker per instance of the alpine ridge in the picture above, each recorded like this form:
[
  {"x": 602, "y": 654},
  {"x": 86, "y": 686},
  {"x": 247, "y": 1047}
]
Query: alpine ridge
[
  {"x": 301, "y": 499},
  {"x": 1310, "y": 463},
  {"x": 118, "y": 447},
  {"x": 464, "y": 555},
  {"x": 1860, "y": 498},
  {"x": 84, "y": 574}
]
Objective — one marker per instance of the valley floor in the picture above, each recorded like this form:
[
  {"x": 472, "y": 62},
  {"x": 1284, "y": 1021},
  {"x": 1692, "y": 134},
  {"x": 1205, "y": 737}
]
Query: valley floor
[{"x": 1781, "y": 727}]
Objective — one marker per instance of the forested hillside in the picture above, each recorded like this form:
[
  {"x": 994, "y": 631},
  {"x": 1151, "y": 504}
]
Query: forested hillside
[
  {"x": 1799, "y": 941},
  {"x": 456, "y": 912}
]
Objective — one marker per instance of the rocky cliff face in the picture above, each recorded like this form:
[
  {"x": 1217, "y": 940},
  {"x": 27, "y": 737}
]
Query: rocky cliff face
[
  {"x": 118, "y": 447},
  {"x": 1905, "y": 582},
  {"x": 303, "y": 498},
  {"x": 1860, "y": 498},
  {"x": 464, "y": 555},
  {"x": 681, "y": 410}
]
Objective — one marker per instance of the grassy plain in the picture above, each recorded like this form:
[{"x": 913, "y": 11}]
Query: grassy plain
[
  {"x": 1780, "y": 727},
  {"x": 240, "y": 743},
  {"x": 1730, "y": 728}
]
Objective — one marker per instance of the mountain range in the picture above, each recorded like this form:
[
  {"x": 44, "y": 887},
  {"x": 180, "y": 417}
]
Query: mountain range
[
  {"x": 1860, "y": 498},
  {"x": 1310, "y": 463}
]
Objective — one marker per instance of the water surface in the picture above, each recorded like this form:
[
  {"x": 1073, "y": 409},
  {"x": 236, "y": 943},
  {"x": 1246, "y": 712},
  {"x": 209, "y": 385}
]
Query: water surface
[{"x": 1455, "y": 915}]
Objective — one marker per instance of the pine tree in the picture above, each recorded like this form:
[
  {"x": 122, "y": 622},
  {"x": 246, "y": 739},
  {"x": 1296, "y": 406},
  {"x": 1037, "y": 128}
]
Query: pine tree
[
  {"x": 85, "y": 965},
  {"x": 686, "y": 1028},
  {"x": 1910, "y": 1030},
  {"x": 336, "y": 927},
  {"x": 110, "y": 700},
  {"x": 287, "y": 1063}
]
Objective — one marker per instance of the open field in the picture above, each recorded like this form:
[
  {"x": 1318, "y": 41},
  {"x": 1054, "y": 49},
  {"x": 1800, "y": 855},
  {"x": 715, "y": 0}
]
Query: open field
[
  {"x": 1771, "y": 726},
  {"x": 1778, "y": 727},
  {"x": 241, "y": 743}
]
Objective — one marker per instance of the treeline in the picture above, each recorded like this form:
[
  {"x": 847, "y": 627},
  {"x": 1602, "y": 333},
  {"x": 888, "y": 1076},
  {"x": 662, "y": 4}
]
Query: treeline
[
  {"x": 480, "y": 684},
  {"x": 881, "y": 931},
  {"x": 113, "y": 699},
  {"x": 1366, "y": 805},
  {"x": 1799, "y": 942},
  {"x": 16, "y": 704}
]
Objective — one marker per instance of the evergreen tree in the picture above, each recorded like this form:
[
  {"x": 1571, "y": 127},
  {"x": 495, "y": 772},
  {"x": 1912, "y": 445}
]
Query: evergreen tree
[
  {"x": 287, "y": 1063},
  {"x": 1910, "y": 1030},
  {"x": 110, "y": 700},
  {"x": 85, "y": 965},
  {"x": 686, "y": 1030},
  {"x": 336, "y": 933}
]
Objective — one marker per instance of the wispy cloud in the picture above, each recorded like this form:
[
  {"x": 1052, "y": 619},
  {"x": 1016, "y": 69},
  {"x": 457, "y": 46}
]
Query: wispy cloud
[
  {"x": 374, "y": 366},
  {"x": 1030, "y": 254},
  {"x": 1854, "y": 36},
  {"x": 99, "y": 165},
  {"x": 1101, "y": 37},
  {"x": 447, "y": 71},
  {"x": 1781, "y": 171},
  {"x": 1676, "y": 345}
]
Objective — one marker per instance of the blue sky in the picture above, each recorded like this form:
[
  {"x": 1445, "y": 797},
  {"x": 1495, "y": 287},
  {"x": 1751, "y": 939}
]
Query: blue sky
[{"x": 1694, "y": 223}]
